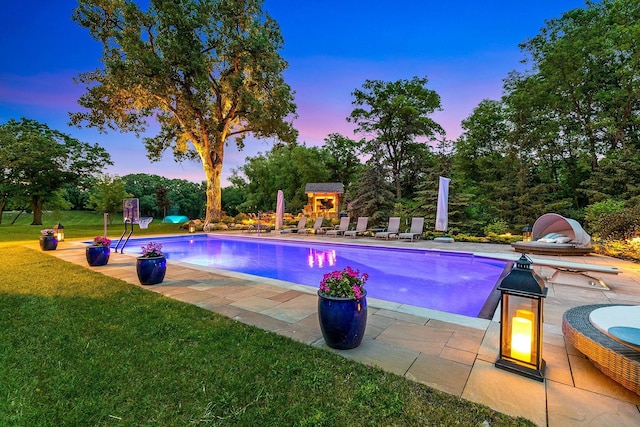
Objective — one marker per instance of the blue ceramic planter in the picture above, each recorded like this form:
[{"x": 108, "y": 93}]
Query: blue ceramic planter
[
  {"x": 151, "y": 270},
  {"x": 98, "y": 255},
  {"x": 342, "y": 320},
  {"x": 48, "y": 243}
]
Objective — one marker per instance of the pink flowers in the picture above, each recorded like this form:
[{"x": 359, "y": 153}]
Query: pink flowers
[
  {"x": 101, "y": 241},
  {"x": 152, "y": 249},
  {"x": 346, "y": 283}
]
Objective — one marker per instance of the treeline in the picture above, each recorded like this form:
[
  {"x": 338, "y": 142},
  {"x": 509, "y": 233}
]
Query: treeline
[
  {"x": 563, "y": 138},
  {"x": 158, "y": 196}
]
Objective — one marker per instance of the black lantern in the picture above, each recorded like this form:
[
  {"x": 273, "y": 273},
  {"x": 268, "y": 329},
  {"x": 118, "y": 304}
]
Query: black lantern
[
  {"x": 192, "y": 227},
  {"x": 527, "y": 234},
  {"x": 522, "y": 299},
  {"x": 58, "y": 231}
]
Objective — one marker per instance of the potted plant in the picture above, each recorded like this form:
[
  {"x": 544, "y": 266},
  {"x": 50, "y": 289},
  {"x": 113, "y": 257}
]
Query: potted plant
[
  {"x": 98, "y": 253},
  {"x": 48, "y": 240},
  {"x": 342, "y": 308},
  {"x": 151, "y": 266}
]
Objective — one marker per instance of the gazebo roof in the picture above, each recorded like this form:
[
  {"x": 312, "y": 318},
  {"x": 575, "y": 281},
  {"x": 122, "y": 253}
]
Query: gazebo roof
[{"x": 324, "y": 187}]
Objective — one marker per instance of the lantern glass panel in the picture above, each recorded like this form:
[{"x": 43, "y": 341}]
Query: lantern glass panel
[
  {"x": 520, "y": 322},
  {"x": 58, "y": 230}
]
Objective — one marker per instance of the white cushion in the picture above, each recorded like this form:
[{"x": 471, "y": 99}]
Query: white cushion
[
  {"x": 551, "y": 236},
  {"x": 555, "y": 238},
  {"x": 616, "y": 315}
]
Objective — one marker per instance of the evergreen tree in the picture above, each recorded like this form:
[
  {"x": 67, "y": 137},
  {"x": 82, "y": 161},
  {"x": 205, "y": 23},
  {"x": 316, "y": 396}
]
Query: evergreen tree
[{"x": 372, "y": 196}]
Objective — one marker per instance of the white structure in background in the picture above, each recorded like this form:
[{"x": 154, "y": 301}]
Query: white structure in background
[
  {"x": 442, "y": 210},
  {"x": 279, "y": 210}
]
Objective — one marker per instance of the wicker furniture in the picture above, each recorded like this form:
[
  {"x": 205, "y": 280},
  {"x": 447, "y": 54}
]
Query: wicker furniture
[{"x": 614, "y": 359}]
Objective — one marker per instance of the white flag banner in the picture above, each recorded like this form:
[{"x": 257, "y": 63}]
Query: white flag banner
[
  {"x": 279, "y": 209},
  {"x": 442, "y": 211}
]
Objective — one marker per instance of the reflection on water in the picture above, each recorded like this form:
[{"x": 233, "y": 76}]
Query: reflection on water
[
  {"x": 450, "y": 282},
  {"x": 317, "y": 258}
]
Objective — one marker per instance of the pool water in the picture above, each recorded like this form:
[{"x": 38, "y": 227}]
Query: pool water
[{"x": 445, "y": 281}]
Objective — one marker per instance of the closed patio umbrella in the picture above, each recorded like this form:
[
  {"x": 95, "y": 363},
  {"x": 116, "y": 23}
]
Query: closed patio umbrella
[
  {"x": 279, "y": 210},
  {"x": 442, "y": 210}
]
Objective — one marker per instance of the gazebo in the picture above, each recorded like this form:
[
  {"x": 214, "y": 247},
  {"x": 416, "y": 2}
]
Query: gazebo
[{"x": 323, "y": 199}]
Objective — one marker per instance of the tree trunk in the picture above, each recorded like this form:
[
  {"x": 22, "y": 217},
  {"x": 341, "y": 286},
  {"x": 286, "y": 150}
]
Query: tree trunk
[
  {"x": 3, "y": 203},
  {"x": 212, "y": 165},
  {"x": 37, "y": 203},
  {"x": 396, "y": 178}
]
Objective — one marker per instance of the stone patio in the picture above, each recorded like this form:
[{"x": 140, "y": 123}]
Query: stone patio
[{"x": 452, "y": 353}]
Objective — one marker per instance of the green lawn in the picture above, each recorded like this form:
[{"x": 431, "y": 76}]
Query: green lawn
[
  {"x": 80, "y": 348},
  {"x": 77, "y": 224}
]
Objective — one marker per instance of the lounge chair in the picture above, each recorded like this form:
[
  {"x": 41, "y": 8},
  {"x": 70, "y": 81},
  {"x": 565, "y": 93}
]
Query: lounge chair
[
  {"x": 392, "y": 229},
  {"x": 317, "y": 227},
  {"x": 361, "y": 227},
  {"x": 302, "y": 223},
  {"x": 416, "y": 229},
  {"x": 344, "y": 226},
  {"x": 554, "y": 234}
]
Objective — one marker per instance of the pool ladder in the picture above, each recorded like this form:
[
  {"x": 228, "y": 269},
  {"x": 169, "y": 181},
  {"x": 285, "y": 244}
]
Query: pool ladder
[{"x": 122, "y": 236}]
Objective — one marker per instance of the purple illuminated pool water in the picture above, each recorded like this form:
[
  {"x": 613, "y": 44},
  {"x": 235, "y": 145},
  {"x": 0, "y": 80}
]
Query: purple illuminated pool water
[{"x": 451, "y": 282}]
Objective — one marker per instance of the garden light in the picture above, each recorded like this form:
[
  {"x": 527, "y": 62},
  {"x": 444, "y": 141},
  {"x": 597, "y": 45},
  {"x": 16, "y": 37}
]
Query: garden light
[
  {"x": 522, "y": 296},
  {"x": 59, "y": 231}
]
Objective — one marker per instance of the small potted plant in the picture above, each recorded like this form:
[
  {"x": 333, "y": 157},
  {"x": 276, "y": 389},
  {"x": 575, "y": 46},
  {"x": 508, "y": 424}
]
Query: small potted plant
[
  {"x": 48, "y": 240},
  {"x": 342, "y": 308},
  {"x": 98, "y": 253},
  {"x": 151, "y": 266}
]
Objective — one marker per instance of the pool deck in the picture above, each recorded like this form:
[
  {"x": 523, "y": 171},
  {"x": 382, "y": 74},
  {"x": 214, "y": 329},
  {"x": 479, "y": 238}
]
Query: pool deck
[{"x": 452, "y": 353}]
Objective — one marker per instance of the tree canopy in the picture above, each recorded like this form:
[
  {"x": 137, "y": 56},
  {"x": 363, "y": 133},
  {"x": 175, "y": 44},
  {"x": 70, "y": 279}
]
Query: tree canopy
[
  {"x": 107, "y": 195},
  {"x": 565, "y": 135},
  {"x": 395, "y": 115},
  {"x": 282, "y": 168},
  {"x": 37, "y": 162},
  {"x": 208, "y": 71},
  {"x": 159, "y": 196}
]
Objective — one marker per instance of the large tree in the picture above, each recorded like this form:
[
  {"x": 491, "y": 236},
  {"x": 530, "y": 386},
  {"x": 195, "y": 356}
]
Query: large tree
[
  {"x": 342, "y": 160},
  {"x": 579, "y": 103},
  {"x": 394, "y": 115},
  {"x": 107, "y": 195},
  {"x": 39, "y": 161},
  {"x": 372, "y": 195},
  {"x": 208, "y": 70},
  {"x": 282, "y": 168}
]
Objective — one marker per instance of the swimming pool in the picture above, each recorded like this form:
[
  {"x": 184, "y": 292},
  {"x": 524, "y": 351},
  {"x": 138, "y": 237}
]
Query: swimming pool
[{"x": 446, "y": 281}]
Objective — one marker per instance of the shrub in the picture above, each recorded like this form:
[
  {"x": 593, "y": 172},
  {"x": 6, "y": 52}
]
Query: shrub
[
  {"x": 619, "y": 225},
  {"x": 594, "y": 211},
  {"x": 498, "y": 226},
  {"x": 241, "y": 217},
  {"x": 228, "y": 219}
]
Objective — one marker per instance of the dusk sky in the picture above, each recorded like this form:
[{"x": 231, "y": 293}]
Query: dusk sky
[{"x": 465, "y": 49}]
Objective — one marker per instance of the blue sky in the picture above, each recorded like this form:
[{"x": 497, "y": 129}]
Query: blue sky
[{"x": 464, "y": 48}]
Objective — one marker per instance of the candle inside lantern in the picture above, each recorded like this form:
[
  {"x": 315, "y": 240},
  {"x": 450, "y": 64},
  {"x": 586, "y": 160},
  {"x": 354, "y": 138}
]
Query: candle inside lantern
[{"x": 521, "y": 334}]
